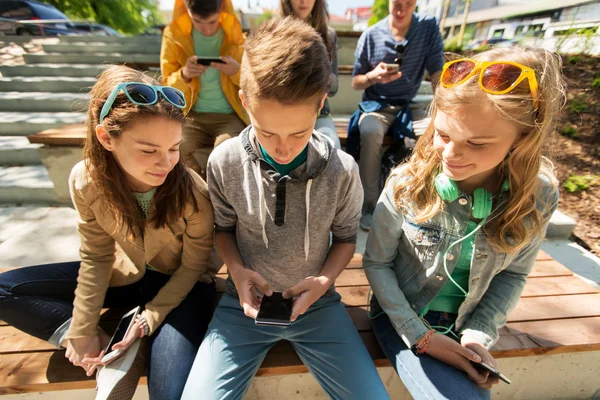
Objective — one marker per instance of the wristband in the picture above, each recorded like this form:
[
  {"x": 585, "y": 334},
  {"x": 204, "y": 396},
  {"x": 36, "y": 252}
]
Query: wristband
[
  {"x": 142, "y": 321},
  {"x": 422, "y": 344}
]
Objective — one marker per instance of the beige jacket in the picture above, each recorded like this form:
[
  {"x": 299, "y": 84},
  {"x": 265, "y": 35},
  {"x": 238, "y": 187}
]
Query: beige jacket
[{"x": 109, "y": 258}]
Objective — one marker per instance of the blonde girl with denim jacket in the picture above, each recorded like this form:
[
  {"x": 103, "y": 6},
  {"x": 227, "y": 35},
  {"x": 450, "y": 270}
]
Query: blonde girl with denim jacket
[{"x": 457, "y": 229}]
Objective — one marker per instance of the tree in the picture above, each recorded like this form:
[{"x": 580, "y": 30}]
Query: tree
[
  {"x": 464, "y": 23},
  {"x": 127, "y": 16},
  {"x": 381, "y": 8}
]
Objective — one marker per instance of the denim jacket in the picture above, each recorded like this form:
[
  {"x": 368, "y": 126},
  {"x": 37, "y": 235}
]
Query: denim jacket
[{"x": 403, "y": 262}]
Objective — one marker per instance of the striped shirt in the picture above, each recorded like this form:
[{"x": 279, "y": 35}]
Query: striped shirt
[{"x": 424, "y": 50}]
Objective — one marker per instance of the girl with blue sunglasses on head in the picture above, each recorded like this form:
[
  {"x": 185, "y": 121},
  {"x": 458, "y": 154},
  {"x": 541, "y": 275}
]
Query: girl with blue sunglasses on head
[
  {"x": 457, "y": 228},
  {"x": 146, "y": 229}
]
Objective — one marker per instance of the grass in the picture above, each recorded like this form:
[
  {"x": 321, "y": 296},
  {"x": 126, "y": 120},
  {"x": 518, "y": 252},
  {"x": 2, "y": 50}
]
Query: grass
[
  {"x": 569, "y": 131},
  {"x": 596, "y": 83},
  {"x": 578, "y": 106},
  {"x": 578, "y": 183}
]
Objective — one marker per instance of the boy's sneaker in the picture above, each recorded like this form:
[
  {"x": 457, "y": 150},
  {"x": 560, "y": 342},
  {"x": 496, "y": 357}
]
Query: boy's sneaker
[
  {"x": 366, "y": 220},
  {"x": 119, "y": 379}
]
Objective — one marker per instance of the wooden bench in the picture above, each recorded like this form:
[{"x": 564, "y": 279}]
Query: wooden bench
[{"x": 558, "y": 313}]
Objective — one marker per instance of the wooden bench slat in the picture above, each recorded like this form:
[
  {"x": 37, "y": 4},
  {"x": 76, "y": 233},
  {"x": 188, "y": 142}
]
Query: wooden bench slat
[
  {"x": 556, "y": 286},
  {"x": 546, "y": 268},
  {"x": 556, "y": 307}
]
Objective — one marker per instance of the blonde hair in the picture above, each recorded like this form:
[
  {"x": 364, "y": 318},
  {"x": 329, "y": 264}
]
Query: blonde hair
[
  {"x": 520, "y": 221},
  {"x": 108, "y": 178},
  {"x": 285, "y": 60}
]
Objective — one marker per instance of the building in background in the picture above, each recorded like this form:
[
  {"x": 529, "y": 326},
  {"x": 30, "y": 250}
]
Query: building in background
[{"x": 360, "y": 17}]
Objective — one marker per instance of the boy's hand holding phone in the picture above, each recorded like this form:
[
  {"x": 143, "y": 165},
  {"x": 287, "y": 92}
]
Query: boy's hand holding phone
[
  {"x": 308, "y": 291},
  {"x": 245, "y": 281},
  {"x": 192, "y": 69},
  {"x": 383, "y": 74},
  {"x": 230, "y": 67}
]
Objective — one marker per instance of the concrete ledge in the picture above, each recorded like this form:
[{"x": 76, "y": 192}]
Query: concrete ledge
[{"x": 561, "y": 226}]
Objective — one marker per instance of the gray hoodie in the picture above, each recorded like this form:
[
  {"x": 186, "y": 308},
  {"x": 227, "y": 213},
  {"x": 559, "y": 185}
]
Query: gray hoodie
[{"x": 283, "y": 223}]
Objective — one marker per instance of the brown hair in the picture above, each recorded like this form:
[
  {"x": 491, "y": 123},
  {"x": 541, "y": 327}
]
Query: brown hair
[
  {"x": 520, "y": 220},
  {"x": 318, "y": 19},
  {"x": 108, "y": 178},
  {"x": 203, "y": 8},
  {"x": 285, "y": 60}
]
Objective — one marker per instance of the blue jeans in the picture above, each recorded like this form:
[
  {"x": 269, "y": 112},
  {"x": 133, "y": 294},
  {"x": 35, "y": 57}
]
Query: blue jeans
[
  {"x": 37, "y": 300},
  {"x": 324, "y": 337},
  {"x": 424, "y": 376}
]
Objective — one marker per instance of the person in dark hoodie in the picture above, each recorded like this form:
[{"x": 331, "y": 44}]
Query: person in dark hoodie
[{"x": 279, "y": 191}]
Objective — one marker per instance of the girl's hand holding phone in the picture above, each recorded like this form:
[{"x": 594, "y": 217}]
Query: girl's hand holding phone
[
  {"x": 485, "y": 355},
  {"x": 452, "y": 353},
  {"x": 79, "y": 350},
  {"x": 91, "y": 363}
]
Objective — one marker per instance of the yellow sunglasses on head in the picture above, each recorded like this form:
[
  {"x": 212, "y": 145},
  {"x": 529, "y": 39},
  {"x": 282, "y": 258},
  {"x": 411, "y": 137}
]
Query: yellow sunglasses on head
[{"x": 496, "y": 77}]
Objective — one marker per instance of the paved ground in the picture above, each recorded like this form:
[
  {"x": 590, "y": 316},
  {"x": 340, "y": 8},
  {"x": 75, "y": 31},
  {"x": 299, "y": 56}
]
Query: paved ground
[{"x": 37, "y": 235}]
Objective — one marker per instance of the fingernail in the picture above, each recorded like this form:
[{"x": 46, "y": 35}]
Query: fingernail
[{"x": 476, "y": 358}]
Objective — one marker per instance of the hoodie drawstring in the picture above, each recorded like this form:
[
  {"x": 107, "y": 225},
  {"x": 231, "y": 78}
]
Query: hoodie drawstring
[
  {"x": 262, "y": 203},
  {"x": 306, "y": 232}
]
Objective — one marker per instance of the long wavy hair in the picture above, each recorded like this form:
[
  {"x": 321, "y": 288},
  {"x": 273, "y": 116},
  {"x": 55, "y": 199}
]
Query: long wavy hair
[
  {"x": 108, "y": 178},
  {"x": 520, "y": 221},
  {"x": 318, "y": 19}
]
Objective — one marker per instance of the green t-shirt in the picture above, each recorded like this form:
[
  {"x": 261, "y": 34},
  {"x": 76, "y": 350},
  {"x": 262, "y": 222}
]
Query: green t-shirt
[
  {"x": 450, "y": 297},
  {"x": 285, "y": 169},
  {"x": 211, "y": 97}
]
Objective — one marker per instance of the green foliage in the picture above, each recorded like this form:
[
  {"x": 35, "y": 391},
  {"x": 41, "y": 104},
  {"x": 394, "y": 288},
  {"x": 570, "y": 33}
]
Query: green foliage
[
  {"x": 574, "y": 59},
  {"x": 451, "y": 45},
  {"x": 126, "y": 16},
  {"x": 267, "y": 15},
  {"x": 578, "y": 106},
  {"x": 569, "y": 131},
  {"x": 577, "y": 183},
  {"x": 381, "y": 9},
  {"x": 596, "y": 83}
]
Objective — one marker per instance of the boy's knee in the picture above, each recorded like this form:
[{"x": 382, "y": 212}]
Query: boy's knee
[{"x": 370, "y": 127}]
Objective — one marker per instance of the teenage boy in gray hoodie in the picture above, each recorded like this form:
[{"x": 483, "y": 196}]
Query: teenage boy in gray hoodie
[{"x": 279, "y": 191}]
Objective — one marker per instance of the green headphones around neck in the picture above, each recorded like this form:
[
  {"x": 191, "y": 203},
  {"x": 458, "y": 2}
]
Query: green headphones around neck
[{"x": 482, "y": 199}]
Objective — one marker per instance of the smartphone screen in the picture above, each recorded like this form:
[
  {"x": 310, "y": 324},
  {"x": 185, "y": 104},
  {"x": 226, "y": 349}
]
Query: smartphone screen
[
  {"x": 208, "y": 60},
  {"x": 275, "y": 310},
  {"x": 121, "y": 331}
]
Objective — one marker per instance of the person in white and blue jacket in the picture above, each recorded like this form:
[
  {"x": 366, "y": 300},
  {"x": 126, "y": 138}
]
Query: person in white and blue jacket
[{"x": 457, "y": 229}]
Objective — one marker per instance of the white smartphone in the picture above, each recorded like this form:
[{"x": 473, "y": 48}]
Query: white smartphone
[{"x": 122, "y": 330}]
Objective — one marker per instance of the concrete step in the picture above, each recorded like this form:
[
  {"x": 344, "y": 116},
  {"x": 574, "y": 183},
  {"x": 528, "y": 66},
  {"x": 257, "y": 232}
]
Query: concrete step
[
  {"x": 54, "y": 84},
  {"x": 98, "y": 58},
  {"x": 93, "y": 47},
  {"x": 43, "y": 101},
  {"x": 27, "y": 123},
  {"x": 561, "y": 226},
  {"x": 70, "y": 70},
  {"x": 26, "y": 185},
  {"x": 111, "y": 39},
  {"x": 15, "y": 150}
]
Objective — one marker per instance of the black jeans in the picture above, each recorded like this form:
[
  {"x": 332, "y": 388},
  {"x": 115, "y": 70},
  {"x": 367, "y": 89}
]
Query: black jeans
[{"x": 37, "y": 300}]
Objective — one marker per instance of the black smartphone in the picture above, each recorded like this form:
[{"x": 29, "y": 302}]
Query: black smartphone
[
  {"x": 274, "y": 310},
  {"x": 208, "y": 60},
  {"x": 493, "y": 371}
]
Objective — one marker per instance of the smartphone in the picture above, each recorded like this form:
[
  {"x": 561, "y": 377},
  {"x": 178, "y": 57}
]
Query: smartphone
[
  {"x": 124, "y": 326},
  {"x": 274, "y": 311},
  {"x": 493, "y": 371},
  {"x": 392, "y": 68},
  {"x": 208, "y": 60}
]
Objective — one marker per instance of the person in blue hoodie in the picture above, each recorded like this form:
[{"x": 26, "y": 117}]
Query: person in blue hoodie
[{"x": 287, "y": 205}]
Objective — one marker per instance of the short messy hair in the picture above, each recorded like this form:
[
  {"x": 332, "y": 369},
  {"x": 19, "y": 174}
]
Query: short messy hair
[
  {"x": 203, "y": 8},
  {"x": 285, "y": 60}
]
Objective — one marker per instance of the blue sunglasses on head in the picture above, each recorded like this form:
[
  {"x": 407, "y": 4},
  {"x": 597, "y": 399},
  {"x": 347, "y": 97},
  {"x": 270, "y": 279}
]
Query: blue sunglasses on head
[{"x": 142, "y": 94}]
